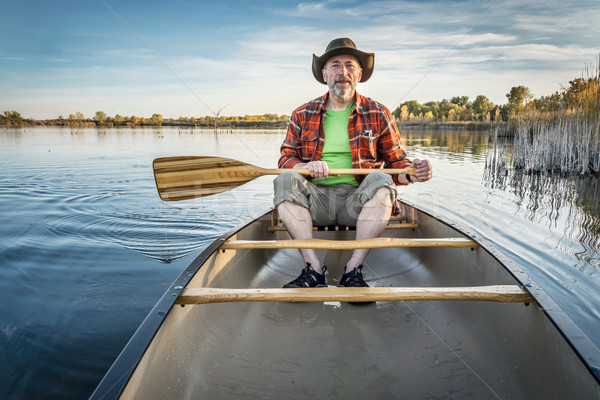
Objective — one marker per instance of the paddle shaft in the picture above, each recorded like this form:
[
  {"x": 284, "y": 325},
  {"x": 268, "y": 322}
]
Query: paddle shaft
[
  {"x": 181, "y": 178},
  {"x": 345, "y": 171}
]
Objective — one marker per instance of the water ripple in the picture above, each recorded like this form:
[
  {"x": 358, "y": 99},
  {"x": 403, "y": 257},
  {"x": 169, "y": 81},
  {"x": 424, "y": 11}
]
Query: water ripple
[{"x": 161, "y": 236}]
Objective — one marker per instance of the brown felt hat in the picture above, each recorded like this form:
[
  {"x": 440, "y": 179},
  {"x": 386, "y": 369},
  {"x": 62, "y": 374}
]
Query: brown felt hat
[{"x": 343, "y": 46}]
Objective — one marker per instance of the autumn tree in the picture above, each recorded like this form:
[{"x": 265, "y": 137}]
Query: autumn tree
[
  {"x": 518, "y": 98},
  {"x": 466, "y": 114},
  {"x": 575, "y": 92},
  {"x": 452, "y": 115},
  {"x": 414, "y": 107},
  {"x": 554, "y": 102},
  {"x": 460, "y": 100},
  {"x": 11, "y": 118},
  {"x": 581, "y": 91},
  {"x": 157, "y": 119},
  {"x": 449, "y": 110},
  {"x": 434, "y": 108},
  {"x": 100, "y": 116},
  {"x": 404, "y": 113},
  {"x": 482, "y": 106}
]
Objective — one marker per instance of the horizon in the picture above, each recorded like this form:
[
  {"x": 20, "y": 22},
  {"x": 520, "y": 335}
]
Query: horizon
[{"x": 186, "y": 59}]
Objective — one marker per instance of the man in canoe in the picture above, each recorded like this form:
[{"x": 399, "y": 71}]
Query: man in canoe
[{"x": 341, "y": 129}]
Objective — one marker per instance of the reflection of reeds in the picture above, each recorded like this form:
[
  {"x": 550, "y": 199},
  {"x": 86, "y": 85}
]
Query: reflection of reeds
[
  {"x": 497, "y": 157},
  {"x": 568, "y": 201},
  {"x": 567, "y": 140}
]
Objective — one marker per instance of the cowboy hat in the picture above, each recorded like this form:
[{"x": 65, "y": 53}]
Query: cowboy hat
[{"x": 343, "y": 46}]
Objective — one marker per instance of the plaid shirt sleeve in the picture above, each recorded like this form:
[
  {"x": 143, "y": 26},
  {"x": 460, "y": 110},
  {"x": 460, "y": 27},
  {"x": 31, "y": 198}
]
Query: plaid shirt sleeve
[
  {"x": 304, "y": 138},
  {"x": 374, "y": 138}
]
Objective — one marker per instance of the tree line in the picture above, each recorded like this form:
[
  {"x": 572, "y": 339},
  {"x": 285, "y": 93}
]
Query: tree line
[
  {"x": 206, "y": 121},
  {"x": 13, "y": 118},
  {"x": 520, "y": 100}
]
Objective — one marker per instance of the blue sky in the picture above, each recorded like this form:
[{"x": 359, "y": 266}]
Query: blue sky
[{"x": 190, "y": 58}]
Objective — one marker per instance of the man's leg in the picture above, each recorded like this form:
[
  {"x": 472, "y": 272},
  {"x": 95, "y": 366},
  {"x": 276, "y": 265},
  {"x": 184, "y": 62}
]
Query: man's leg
[
  {"x": 293, "y": 197},
  {"x": 371, "y": 222},
  {"x": 369, "y": 208},
  {"x": 298, "y": 222}
]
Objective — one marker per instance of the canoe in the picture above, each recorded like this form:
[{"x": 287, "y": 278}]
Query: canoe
[{"x": 446, "y": 316}]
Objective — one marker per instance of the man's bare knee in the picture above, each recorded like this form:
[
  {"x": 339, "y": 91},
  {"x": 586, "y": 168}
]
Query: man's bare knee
[
  {"x": 291, "y": 212},
  {"x": 381, "y": 198}
]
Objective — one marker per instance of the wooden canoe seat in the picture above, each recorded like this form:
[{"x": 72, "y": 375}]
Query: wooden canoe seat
[
  {"x": 496, "y": 293},
  {"x": 336, "y": 228},
  {"x": 375, "y": 243},
  {"x": 396, "y": 222}
]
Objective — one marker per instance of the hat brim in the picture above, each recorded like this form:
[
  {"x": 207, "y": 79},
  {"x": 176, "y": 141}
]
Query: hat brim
[{"x": 366, "y": 60}]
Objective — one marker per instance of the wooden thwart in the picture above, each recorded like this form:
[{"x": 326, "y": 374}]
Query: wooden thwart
[
  {"x": 495, "y": 293},
  {"x": 375, "y": 243}
]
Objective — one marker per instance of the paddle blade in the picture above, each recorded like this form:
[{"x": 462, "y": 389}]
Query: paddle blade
[{"x": 182, "y": 178}]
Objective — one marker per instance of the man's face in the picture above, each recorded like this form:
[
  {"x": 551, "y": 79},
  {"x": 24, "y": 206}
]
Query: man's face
[{"x": 342, "y": 73}]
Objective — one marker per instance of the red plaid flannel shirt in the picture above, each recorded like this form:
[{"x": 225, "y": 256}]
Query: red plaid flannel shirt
[{"x": 373, "y": 134}]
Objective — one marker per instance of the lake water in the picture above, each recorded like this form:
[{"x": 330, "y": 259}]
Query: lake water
[{"x": 87, "y": 247}]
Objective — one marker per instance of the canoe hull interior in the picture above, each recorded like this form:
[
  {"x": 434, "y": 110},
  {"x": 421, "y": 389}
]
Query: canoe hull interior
[{"x": 417, "y": 349}]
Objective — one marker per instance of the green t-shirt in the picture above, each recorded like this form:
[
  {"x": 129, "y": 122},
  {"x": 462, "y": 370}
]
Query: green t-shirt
[{"x": 336, "y": 149}]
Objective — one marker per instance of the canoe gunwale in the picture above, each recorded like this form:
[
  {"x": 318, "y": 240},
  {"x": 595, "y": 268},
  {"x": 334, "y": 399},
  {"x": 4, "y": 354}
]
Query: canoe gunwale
[
  {"x": 119, "y": 374},
  {"x": 581, "y": 344}
]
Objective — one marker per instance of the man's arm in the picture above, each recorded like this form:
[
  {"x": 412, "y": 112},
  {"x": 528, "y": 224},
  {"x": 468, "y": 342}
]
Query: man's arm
[
  {"x": 395, "y": 157},
  {"x": 390, "y": 150},
  {"x": 291, "y": 152}
]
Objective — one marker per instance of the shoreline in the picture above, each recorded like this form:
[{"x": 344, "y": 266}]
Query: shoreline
[{"x": 434, "y": 125}]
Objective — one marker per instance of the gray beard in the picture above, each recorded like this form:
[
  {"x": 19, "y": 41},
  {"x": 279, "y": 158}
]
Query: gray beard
[{"x": 339, "y": 92}]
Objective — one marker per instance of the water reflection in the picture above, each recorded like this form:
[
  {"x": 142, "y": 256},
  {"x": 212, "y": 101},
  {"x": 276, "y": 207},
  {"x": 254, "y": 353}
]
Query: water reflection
[
  {"x": 459, "y": 142},
  {"x": 570, "y": 203}
]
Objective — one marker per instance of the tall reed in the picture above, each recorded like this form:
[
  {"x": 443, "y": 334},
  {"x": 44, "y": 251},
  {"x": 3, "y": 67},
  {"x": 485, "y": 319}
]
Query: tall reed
[{"x": 566, "y": 140}]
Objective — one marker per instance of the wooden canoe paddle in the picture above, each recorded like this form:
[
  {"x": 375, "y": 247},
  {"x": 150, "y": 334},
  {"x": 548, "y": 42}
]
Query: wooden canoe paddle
[{"x": 182, "y": 178}]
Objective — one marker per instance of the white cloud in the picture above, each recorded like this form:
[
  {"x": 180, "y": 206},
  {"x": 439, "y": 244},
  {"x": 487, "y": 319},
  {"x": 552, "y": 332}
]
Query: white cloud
[{"x": 309, "y": 8}]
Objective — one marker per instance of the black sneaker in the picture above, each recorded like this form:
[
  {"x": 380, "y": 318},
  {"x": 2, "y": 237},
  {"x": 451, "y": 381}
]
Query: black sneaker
[
  {"x": 353, "y": 278},
  {"x": 308, "y": 278}
]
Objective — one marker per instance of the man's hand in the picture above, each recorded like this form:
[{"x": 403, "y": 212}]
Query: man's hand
[
  {"x": 317, "y": 169},
  {"x": 424, "y": 170}
]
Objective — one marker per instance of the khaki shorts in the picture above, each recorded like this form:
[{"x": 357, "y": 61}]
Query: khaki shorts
[{"x": 331, "y": 205}]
